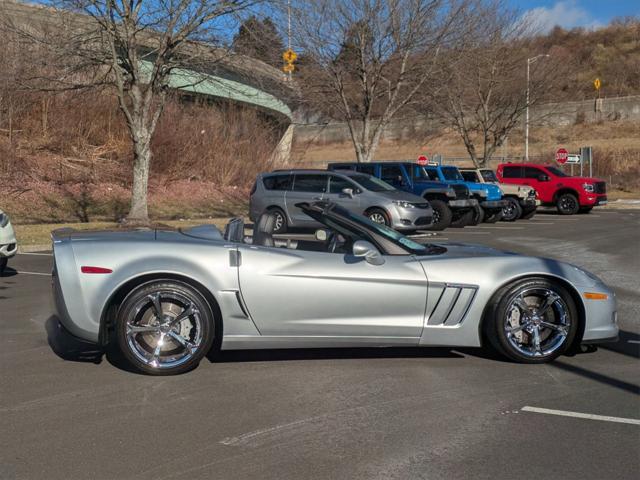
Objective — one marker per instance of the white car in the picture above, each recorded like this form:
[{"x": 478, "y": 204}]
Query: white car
[{"x": 8, "y": 243}]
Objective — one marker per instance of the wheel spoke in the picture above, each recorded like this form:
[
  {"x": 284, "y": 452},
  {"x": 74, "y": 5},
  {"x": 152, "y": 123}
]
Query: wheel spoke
[
  {"x": 536, "y": 340},
  {"x": 517, "y": 328},
  {"x": 156, "y": 353},
  {"x": 187, "y": 312},
  {"x": 521, "y": 304},
  {"x": 548, "y": 302},
  {"x": 184, "y": 342},
  {"x": 157, "y": 305},
  {"x": 135, "y": 329},
  {"x": 558, "y": 328}
]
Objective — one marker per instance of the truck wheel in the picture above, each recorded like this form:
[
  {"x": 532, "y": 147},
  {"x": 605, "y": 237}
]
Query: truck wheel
[
  {"x": 463, "y": 219},
  {"x": 528, "y": 214},
  {"x": 441, "y": 215},
  {"x": 478, "y": 216},
  {"x": 493, "y": 217},
  {"x": 567, "y": 204},
  {"x": 512, "y": 210}
]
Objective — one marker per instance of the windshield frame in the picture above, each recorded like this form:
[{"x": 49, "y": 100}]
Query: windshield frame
[
  {"x": 457, "y": 176},
  {"x": 556, "y": 171},
  {"x": 493, "y": 177}
]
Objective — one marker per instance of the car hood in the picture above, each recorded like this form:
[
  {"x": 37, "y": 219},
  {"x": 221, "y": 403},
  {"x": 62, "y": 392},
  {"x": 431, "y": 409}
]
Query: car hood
[
  {"x": 582, "y": 179},
  {"x": 403, "y": 196},
  {"x": 466, "y": 250}
]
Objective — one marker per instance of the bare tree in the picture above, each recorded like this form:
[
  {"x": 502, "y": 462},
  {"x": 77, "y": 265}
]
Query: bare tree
[
  {"x": 365, "y": 60},
  {"x": 132, "y": 46},
  {"x": 484, "y": 94}
]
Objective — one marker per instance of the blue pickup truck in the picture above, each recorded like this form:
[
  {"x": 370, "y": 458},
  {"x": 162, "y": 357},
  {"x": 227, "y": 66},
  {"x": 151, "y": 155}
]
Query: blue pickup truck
[
  {"x": 451, "y": 201},
  {"x": 489, "y": 196}
]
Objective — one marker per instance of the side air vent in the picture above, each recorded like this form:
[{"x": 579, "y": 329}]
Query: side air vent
[{"x": 453, "y": 304}]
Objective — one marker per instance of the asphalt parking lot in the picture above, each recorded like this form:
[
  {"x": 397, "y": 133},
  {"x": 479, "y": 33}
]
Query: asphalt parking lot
[{"x": 66, "y": 412}]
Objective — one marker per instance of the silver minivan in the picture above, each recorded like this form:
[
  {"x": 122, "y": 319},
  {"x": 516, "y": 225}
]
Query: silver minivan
[{"x": 279, "y": 192}]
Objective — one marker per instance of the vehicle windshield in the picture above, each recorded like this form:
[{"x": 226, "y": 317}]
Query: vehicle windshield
[
  {"x": 489, "y": 176},
  {"x": 371, "y": 183},
  {"x": 382, "y": 230},
  {"x": 451, "y": 173},
  {"x": 557, "y": 172},
  {"x": 424, "y": 174}
]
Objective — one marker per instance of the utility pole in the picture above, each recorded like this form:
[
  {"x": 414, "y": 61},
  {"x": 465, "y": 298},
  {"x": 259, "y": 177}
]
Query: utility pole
[{"x": 526, "y": 122}]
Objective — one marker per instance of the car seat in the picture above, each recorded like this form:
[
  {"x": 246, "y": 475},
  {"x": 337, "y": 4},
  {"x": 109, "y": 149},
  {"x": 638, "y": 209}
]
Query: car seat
[{"x": 263, "y": 230}]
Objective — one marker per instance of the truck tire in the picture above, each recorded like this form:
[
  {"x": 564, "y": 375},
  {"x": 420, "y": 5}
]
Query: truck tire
[
  {"x": 567, "y": 204},
  {"x": 463, "y": 219},
  {"x": 441, "y": 215},
  {"x": 528, "y": 214},
  {"x": 512, "y": 211},
  {"x": 478, "y": 216},
  {"x": 493, "y": 217}
]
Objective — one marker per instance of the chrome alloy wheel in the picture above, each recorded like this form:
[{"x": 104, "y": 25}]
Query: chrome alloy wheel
[
  {"x": 164, "y": 330},
  {"x": 537, "y": 322},
  {"x": 377, "y": 217},
  {"x": 278, "y": 221}
]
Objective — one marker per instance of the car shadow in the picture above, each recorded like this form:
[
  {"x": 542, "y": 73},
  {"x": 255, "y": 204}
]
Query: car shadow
[
  {"x": 266, "y": 355},
  {"x": 8, "y": 272},
  {"x": 628, "y": 344}
]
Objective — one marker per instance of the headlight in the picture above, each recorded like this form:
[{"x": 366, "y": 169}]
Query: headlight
[
  {"x": 588, "y": 187},
  {"x": 4, "y": 220},
  {"x": 402, "y": 204}
]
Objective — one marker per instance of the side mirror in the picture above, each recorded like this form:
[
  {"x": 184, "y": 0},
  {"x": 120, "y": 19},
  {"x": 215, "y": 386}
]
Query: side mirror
[
  {"x": 543, "y": 178},
  {"x": 362, "y": 248},
  {"x": 348, "y": 192}
]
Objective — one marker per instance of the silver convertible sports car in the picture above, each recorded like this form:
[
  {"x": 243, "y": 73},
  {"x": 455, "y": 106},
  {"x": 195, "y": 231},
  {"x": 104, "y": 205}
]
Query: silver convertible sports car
[{"x": 168, "y": 297}]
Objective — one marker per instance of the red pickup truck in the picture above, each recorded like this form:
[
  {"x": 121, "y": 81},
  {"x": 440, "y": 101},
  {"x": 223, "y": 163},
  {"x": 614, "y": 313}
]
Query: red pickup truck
[{"x": 554, "y": 187}]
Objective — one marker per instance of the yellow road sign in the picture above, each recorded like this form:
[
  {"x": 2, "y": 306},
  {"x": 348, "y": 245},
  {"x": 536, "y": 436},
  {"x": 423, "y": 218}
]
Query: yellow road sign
[
  {"x": 597, "y": 83},
  {"x": 289, "y": 56},
  {"x": 289, "y": 67}
]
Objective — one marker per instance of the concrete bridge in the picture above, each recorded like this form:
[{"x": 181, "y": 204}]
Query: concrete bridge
[{"x": 228, "y": 76}]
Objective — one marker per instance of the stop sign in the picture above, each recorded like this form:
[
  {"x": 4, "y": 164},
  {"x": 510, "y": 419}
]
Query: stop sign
[
  {"x": 562, "y": 155},
  {"x": 423, "y": 160}
]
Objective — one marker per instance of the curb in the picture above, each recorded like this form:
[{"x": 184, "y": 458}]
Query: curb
[{"x": 34, "y": 248}]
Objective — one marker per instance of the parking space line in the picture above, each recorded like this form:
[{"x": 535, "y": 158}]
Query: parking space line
[
  {"x": 587, "y": 416},
  {"x": 33, "y": 273},
  {"x": 470, "y": 232},
  {"x": 498, "y": 227},
  {"x": 545, "y": 223}
]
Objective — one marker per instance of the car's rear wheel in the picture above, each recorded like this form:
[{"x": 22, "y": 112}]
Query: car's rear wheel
[
  {"x": 378, "y": 215},
  {"x": 567, "y": 204},
  {"x": 441, "y": 215},
  {"x": 165, "y": 327},
  {"x": 3, "y": 264},
  {"x": 512, "y": 210},
  {"x": 279, "y": 220},
  {"x": 532, "y": 321}
]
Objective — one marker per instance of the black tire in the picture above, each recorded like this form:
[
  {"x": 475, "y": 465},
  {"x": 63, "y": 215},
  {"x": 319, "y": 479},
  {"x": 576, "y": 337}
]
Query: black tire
[
  {"x": 378, "y": 215},
  {"x": 528, "y": 214},
  {"x": 478, "y": 216},
  {"x": 493, "y": 217},
  {"x": 463, "y": 219},
  {"x": 585, "y": 210},
  {"x": 137, "y": 310},
  {"x": 567, "y": 204},
  {"x": 3, "y": 264},
  {"x": 499, "y": 317},
  {"x": 441, "y": 215},
  {"x": 512, "y": 211},
  {"x": 280, "y": 224}
]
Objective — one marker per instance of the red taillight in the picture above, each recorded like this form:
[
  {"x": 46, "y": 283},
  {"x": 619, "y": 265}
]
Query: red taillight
[{"x": 95, "y": 270}]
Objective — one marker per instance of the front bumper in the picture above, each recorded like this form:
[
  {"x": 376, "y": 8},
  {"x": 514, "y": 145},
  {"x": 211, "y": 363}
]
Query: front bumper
[
  {"x": 601, "y": 316},
  {"x": 528, "y": 202},
  {"x": 411, "y": 218},
  {"x": 470, "y": 203},
  {"x": 595, "y": 200},
  {"x": 8, "y": 243},
  {"x": 8, "y": 250},
  {"x": 493, "y": 204}
]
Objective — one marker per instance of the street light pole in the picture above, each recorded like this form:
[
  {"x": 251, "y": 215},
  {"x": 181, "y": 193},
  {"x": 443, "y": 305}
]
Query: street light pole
[{"x": 526, "y": 121}]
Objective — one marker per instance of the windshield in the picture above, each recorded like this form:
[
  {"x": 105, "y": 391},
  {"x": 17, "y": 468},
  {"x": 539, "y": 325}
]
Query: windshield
[
  {"x": 557, "y": 172},
  {"x": 372, "y": 183},
  {"x": 451, "y": 173},
  {"x": 423, "y": 173},
  {"x": 489, "y": 176},
  {"x": 388, "y": 233}
]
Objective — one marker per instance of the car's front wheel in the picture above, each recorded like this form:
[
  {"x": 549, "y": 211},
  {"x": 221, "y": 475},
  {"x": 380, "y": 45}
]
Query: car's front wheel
[
  {"x": 567, "y": 204},
  {"x": 532, "y": 321},
  {"x": 512, "y": 210},
  {"x": 378, "y": 215},
  {"x": 165, "y": 327}
]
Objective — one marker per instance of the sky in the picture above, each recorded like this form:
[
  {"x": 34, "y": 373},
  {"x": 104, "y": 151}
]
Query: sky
[{"x": 575, "y": 13}]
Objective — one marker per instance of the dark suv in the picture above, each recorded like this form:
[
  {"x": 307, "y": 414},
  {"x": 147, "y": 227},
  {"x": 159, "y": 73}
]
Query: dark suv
[{"x": 451, "y": 202}]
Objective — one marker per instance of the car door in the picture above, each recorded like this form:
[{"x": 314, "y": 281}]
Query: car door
[
  {"x": 338, "y": 183},
  {"x": 540, "y": 180},
  {"x": 304, "y": 293},
  {"x": 307, "y": 187}
]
